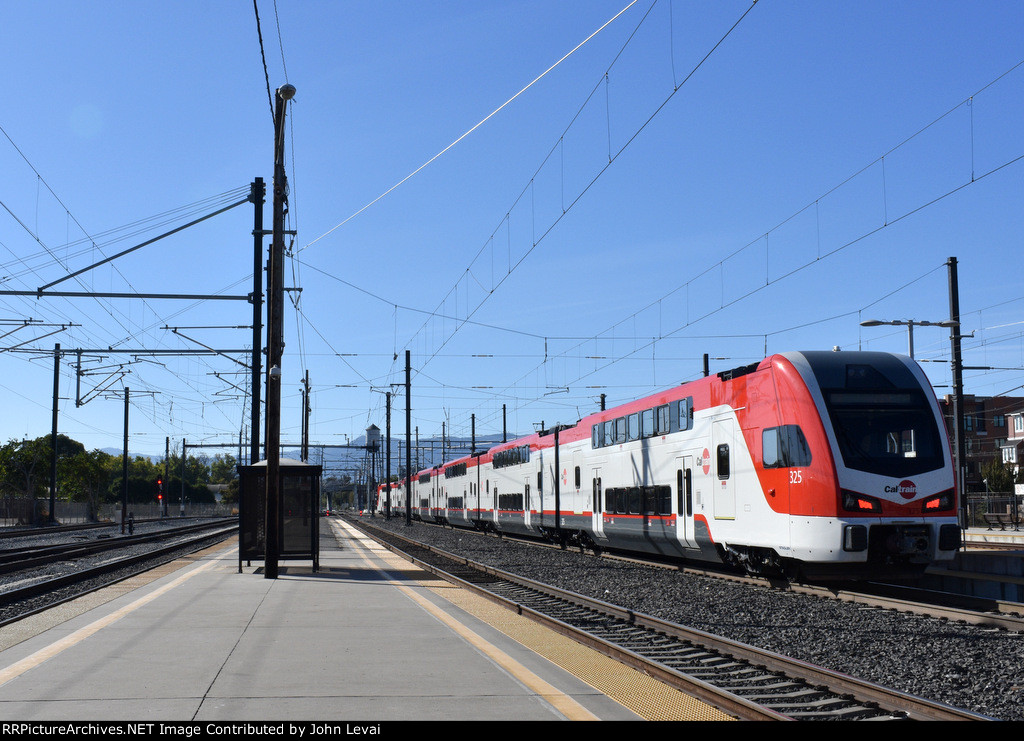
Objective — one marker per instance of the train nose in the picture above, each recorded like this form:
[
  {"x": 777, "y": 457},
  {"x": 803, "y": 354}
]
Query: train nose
[{"x": 906, "y": 540}]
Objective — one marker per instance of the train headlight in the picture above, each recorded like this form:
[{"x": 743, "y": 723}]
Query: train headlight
[
  {"x": 855, "y": 538},
  {"x": 949, "y": 537},
  {"x": 939, "y": 503},
  {"x": 854, "y": 502}
]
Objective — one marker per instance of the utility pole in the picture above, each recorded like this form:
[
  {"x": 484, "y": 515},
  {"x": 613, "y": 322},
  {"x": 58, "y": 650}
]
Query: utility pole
[
  {"x": 959, "y": 443},
  {"x": 387, "y": 445},
  {"x": 305, "y": 419},
  {"x": 167, "y": 470},
  {"x": 275, "y": 341},
  {"x": 53, "y": 435},
  {"x": 408, "y": 440},
  {"x": 124, "y": 467},
  {"x": 181, "y": 493},
  {"x": 259, "y": 190}
]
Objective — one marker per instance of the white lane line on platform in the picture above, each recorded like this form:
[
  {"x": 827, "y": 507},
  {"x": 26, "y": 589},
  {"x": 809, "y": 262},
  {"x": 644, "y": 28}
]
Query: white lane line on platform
[
  {"x": 45, "y": 654},
  {"x": 562, "y": 702}
]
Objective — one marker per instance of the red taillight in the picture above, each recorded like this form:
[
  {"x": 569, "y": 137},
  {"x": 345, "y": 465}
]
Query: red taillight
[
  {"x": 854, "y": 502},
  {"x": 939, "y": 503}
]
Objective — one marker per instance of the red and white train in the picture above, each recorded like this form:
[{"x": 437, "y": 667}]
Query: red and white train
[{"x": 817, "y": 465}]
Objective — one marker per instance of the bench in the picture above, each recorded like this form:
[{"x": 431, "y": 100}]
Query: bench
[{"x": 1002, "y": 520}]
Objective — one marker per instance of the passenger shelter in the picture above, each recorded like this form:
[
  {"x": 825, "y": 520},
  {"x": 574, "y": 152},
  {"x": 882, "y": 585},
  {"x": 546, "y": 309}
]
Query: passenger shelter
[{"x": 298, "y": 514}]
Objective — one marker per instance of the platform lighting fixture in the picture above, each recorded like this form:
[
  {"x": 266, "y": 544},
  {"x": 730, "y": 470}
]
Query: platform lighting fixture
[{"x": 910, "y": 324}]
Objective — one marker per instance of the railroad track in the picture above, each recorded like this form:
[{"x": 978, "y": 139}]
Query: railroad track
[
  {"x": 19, "y": 559},
  {"x": 38, "y": 594},
  {"x": 741, "y": 680}
]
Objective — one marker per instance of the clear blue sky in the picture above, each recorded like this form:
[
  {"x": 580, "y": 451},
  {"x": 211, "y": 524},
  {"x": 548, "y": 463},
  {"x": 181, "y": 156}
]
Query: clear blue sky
[{"x": 599, "y": 234}]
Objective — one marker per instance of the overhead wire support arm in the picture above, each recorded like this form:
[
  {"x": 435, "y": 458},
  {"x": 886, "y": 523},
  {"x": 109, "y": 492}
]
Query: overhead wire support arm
[
  {"x": 100, "y": 388},
  {"x": 48, "y": 334},
  {"x": 218, "y": 352},
  {"x": 140, "y": 352},
  {"x": 247, "y": 199},
  {"x": 101, "y": 294}
]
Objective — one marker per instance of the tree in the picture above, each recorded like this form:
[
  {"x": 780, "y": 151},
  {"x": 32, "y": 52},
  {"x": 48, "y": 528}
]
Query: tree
[
  {"x": 223, "y": 469},
  {"x": 85, "y": 477},
  {"x": 197, "y": 469},
  {"x": 142, "y": 478},
  {"x": 998, "y": 476},
  {"x": 230, "y": 495},
  {"x": 23, "y": 467}
]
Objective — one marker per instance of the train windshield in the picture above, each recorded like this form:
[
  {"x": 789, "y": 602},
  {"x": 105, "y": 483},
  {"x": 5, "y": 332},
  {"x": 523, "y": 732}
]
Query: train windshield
[{"x": 888, "y": 432}]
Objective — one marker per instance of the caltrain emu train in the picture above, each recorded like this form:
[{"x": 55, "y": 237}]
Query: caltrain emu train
[{"x": 812, "y": 465}]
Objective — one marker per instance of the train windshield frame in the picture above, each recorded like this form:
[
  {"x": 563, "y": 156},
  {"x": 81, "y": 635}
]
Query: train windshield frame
[{"x": 890, "y": 432}]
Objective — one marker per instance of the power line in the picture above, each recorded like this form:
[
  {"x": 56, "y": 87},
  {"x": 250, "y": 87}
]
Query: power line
[{"x": 471, "y": 130}]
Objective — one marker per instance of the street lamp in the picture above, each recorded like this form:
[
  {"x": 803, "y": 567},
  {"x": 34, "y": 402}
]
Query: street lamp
[{"x": 910, "y": 324}]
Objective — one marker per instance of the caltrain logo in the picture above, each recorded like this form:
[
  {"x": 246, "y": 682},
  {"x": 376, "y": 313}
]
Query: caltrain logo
[
  {"x": 906, "y": 489},
  {"x": 705, "y": 461}
]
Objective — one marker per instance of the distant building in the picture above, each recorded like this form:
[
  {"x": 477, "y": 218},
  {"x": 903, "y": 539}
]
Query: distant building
[
  {"x": 988, "y": 424},
  {"x": 218, "y": 490},
  {"x": 1013, "y": 447}
]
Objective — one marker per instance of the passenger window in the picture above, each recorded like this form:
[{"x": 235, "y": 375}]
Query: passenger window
[
  {"x": 664, "y": 424},
  {"x": 723, "y": 461},
  {"x": 785, "y": 447},
  {"x": 686, "y": 413},
  {"x": 770, "y": 447},
  {"x": 633, "y": 427},
  {"x": 635, "y": 500},
  {"x": 647, "y": 423}
]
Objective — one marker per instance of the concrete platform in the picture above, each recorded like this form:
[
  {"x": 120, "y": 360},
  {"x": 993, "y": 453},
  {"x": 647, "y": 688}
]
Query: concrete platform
[
  {"x": 994, "y": 535},
  {"x": 367, "y": 638}
]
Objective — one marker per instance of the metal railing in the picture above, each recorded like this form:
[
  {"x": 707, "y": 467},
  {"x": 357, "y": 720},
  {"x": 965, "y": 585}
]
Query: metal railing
[
  {"x": 980, "y": 504},
  {"x": 15, "y": 511}
]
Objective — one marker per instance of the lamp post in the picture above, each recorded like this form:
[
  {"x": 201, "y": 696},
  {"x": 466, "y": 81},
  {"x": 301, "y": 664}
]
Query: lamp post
[{"x": 910, "y": 324}]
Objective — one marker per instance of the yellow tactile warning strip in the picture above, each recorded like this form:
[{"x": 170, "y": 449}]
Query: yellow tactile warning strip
[{"x": 644, "y": 695}]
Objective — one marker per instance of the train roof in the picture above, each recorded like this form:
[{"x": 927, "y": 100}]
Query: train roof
[{"x": 831, "y": 368}]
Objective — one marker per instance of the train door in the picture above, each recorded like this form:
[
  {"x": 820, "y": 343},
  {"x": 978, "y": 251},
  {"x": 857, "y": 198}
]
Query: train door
[
  {"x": 722, "y": 458},
  {"x": 474, "y": 515},
  {"x": 538, "y": 520},
  {"x": 684, "y": 501},
  {"x": 597, "y": 504},
  {"x": 576, "y": 477},
  {"x": 527, "y": 519}
]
